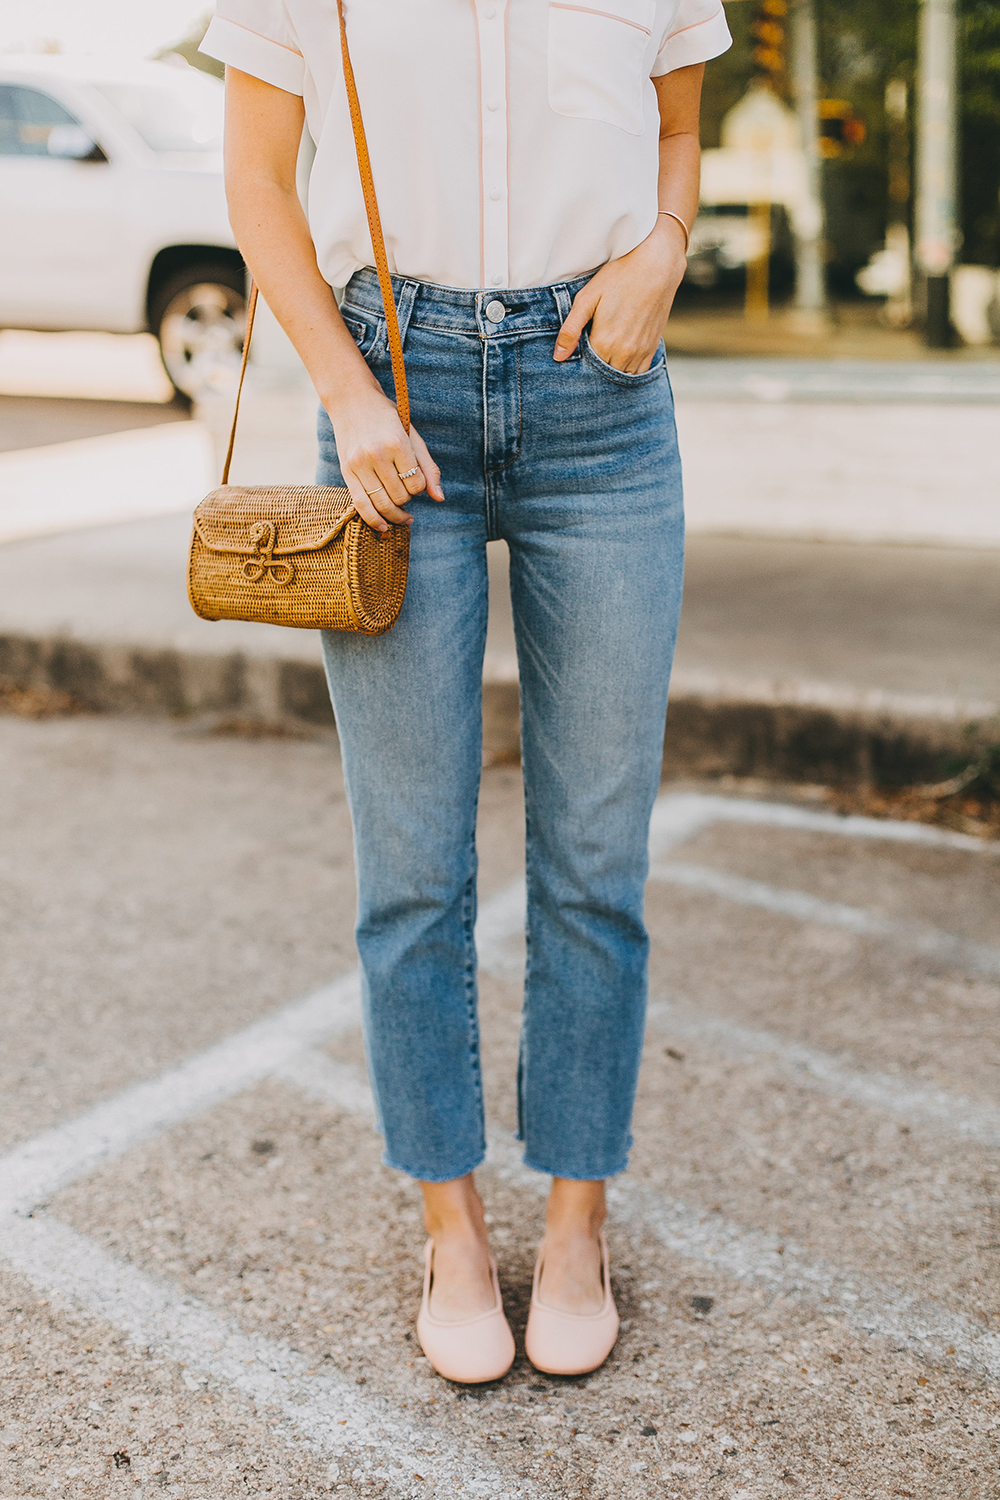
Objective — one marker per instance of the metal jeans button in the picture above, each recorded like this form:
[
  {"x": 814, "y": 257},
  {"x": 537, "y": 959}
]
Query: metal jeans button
[{"x": 495, "y": 311}]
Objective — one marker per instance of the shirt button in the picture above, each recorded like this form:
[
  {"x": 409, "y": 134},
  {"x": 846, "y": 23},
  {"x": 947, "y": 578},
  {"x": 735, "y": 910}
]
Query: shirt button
[
  {"x": 498, "y": 281},
  {"x": 496, "y": 195},
  {"x": 495, "y": 311},
  {"x": 490, "y": 12},
  {"x": 493, "y": 104}
]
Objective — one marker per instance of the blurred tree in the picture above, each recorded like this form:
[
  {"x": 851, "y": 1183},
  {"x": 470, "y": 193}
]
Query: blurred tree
[
  {"x": 188, "y": 49},
  {"x": 979, "y": 156},
  {"x": 728, "y": 77},
  {"x": 862, "y": 47}
]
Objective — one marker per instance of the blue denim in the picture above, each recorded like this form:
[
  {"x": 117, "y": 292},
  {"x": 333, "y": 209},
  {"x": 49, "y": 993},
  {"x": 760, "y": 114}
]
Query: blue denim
[{"x": 576, "y": 467}]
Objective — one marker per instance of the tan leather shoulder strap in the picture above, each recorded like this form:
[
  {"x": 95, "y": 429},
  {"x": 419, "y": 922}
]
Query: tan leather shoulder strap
[
  {"x": 375, "y": 229},
  {"x": 251, "y": 309},
  {"x": 381, "y": 262}
]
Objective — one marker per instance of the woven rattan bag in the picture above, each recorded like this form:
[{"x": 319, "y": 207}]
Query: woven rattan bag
[{"x": 301, "y": 555}]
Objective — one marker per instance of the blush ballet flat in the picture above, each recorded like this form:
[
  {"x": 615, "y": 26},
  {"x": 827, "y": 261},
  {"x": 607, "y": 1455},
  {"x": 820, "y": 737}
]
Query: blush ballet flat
[
  {"x": 472, "y": 1350},
  {"x": 562, "y": 1343}
]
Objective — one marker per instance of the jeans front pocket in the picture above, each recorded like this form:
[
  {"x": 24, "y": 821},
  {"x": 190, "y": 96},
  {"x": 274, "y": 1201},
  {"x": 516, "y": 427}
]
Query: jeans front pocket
[
  {"x": 623, "y": 377},
  {"x": 597, "y": 60}
]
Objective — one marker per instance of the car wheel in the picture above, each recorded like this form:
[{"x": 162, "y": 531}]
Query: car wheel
[{"x": 199, "y": 317}]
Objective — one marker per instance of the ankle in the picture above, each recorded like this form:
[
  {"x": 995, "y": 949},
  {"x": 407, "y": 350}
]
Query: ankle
[
  {"x": 454, "y": 1211},
  {"x": 576, "y": 1210},
  {"x": 455, "y": 1228},
  {"x": 570, "y": 1231}
]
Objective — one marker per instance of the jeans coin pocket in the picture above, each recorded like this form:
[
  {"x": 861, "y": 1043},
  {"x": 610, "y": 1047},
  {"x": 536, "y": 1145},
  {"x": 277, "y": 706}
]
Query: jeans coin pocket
[
  {"x": 363, "y": 330},
  {"x": 598, "y": 65}
]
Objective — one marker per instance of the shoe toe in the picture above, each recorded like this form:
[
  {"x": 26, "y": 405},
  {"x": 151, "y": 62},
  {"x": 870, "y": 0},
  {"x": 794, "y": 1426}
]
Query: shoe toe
[
  {"x": 562, "y": 1344},
  {"x": 470, "y": 1352}
]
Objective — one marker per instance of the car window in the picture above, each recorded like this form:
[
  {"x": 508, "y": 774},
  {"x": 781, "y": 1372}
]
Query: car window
[
  {"x": 181, "y": 114},
  {"x": 27, "y": 116}
]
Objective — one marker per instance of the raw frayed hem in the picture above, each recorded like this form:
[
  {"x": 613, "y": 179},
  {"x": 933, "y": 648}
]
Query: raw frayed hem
[
  {"x": 419, "y": 1175},
  {"x": 597, "y": 1176}
]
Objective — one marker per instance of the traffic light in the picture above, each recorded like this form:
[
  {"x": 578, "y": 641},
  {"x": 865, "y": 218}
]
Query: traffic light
[
  {"x": 839, "y": 127},
  {"x": 770, "y": 35}
]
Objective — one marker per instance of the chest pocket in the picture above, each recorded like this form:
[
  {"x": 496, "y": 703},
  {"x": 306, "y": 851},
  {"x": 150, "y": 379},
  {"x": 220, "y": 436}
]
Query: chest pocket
[{"x": 597, "y": 54}]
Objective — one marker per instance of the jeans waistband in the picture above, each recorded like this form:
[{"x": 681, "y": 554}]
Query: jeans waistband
[{"x": 485, "y": 314}]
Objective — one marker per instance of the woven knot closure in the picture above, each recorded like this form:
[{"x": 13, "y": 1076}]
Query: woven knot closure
[{"x": 255, "y": 568}]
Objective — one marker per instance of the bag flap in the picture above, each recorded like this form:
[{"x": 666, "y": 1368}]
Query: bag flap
[{"x": 238, "y": 518}]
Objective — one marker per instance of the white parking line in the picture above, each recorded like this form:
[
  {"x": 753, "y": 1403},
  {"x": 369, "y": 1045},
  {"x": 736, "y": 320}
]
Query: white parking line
[
  {"x": 60, "y": 1261},
  {"x": 932, "y": 942},
  {"x": 953, "y": 1114},
  {"x": 328, "y": 1411},
  {"x": 684, "y": 814},
  {"x": 745, "y": 1254},
  {"x": 769, "y": 1260},
  {"x": 500, "y": 919},
  {"x": 751, "y": 1255},
  {"x": 32, "y": 1172},
  {"x": 327, "y": 1082}
]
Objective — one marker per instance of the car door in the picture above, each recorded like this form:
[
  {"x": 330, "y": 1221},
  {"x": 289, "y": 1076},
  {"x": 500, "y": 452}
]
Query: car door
[{"x": 59, "y": 244}]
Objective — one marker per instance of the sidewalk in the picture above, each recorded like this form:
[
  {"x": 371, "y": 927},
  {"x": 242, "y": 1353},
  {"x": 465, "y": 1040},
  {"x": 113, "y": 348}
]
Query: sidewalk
[
  {"x": 715, "y": 327},
  {"x": 801, "y": 654},
  {"x": 823, "y": 662}
]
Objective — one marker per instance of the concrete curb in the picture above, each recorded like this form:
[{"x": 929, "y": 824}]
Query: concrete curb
[{"x": 794, "y": 732}]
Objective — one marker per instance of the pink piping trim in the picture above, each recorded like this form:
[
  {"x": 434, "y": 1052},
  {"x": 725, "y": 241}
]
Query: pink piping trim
[
  {"x": 588, "y": 10},
  {"x": 694, "y": 25},
  {"x": 293, "y": 50},
  {"x": 506, "y": 103},
  {"x": 482, "y": 185}
]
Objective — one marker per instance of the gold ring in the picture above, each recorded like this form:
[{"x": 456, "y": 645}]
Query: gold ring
[
  {"x": 375, "y": 491},
  {"x": 410, "y": 473}
]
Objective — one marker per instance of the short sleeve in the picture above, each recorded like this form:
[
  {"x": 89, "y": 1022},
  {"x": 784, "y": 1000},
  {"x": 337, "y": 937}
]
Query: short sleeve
[
  {"x": 697, "y": 32},
  {"x": 254, "y": 36}
]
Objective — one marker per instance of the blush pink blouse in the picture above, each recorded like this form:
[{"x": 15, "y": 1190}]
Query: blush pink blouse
[{"x": 513, "y": 142}]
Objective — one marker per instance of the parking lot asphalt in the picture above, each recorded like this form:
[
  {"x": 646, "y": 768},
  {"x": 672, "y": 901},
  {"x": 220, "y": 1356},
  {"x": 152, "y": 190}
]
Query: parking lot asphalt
[{"x": 210, "y": 1281}]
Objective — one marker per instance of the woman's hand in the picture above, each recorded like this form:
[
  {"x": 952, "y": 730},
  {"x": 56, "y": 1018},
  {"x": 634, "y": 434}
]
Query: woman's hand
[
  {"x": 374, "y": 452},
  {"x": 628, "y": 302}
]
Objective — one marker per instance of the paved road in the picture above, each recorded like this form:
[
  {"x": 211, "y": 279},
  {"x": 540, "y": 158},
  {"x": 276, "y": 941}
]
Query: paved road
[
  {"x": 39, "y": 421},
  {"x": 214, "y": 1293},
  {"x": 904, "y": 620},
  {"x": 851, "y": 381}
]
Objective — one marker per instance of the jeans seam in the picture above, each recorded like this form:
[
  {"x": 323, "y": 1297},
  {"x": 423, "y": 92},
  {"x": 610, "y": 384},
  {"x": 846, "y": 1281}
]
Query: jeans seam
[
  {"x": 510, "y": 462},
  {"x": 523, "y": 1060},
  {"x": 489, "y": 487},
  {"x": 471, "y": 996}
]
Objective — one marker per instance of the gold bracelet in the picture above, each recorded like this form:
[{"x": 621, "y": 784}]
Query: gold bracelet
[{"x": 671, "y": 215}]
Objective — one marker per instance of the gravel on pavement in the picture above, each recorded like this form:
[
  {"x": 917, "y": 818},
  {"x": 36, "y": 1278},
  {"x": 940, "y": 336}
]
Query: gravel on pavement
[{"x": 219, "y": 1300}]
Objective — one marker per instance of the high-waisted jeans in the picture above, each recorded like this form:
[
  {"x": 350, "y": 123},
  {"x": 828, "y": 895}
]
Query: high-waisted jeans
[{"x": 576, "y": 467}]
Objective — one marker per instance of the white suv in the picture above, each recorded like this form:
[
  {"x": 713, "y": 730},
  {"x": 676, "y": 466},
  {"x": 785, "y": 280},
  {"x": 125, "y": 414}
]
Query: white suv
[{"x": 113, "y": 209}]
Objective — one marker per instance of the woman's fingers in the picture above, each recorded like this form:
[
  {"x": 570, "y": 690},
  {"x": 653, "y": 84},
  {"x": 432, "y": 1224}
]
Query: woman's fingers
[
  {"x": 387, "y": 471},
  {"x": 378, "y": 472},
  {"x": 385, "y": 505},
  {"x": 430, "y": 473},
  {"x": 584, "y": 305},
  {"x": 364, "y": 503}
]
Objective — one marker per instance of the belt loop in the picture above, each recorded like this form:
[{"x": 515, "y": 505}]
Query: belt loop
[
  {"x": 405, "y": 294},
  {"x": 562, "y": 300}
]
